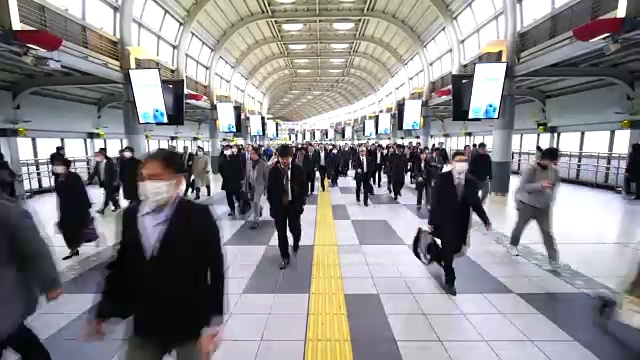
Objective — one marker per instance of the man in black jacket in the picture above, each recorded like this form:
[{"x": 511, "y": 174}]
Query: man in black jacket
[
  {"x": 364, "y": 167},
  {"x": 310, "y": 164},
  {"x": 480, "y": 169},
  {"x": 107, "y": 174},
  {"x": 172, "y": 284},
  {"x": 55, "y": 158},
  {"x": 286, "y": 194},
  {"x": 322, "y": 161},
  {"x": 232, "y": 173},
  {"x": 423, "y": 174}
]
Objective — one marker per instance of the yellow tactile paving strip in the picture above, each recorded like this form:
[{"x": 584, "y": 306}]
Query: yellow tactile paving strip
[{"x": 328, "y": 335}]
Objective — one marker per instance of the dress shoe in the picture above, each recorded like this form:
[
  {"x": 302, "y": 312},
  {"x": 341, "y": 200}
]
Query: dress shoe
[
  {"x": 284, "y": 263},
  {"x": 295, "y": 248},
  {"x": 451, "y": 290},
  {"x": 73, "y": 253}
]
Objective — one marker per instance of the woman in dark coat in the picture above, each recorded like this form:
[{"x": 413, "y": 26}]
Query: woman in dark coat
[
  {"x": 129, "y": 170},
  {"x": 73, "y": 206}
]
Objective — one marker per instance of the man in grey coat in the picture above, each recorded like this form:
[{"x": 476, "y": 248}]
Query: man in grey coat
[
  {"x": 27, "y": 271},
  {"x": 256, "y": 183}
]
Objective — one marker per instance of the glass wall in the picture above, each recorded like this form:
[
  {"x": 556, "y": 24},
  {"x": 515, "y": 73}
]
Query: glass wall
[{"x": 198, "y": 57}]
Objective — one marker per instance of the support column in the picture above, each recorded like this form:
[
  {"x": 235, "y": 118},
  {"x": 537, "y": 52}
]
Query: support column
[
  {"x": 133, "y": 131},
  {"x": 214, "y": 143},
  {"x": 628, "y": 8},
  {"x": 552, "y": 139},
  {"x": 9, "y": 17},
  {"x": 9, "y": 148},
  {"x": 425, "y": 132},
  {"x": 503, "y": 128}
]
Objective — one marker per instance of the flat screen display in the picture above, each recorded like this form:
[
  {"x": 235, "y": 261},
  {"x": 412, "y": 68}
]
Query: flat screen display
[
  {"x": 384, "y": 124},
  {"x": 348, "y": 132},
  {"x": 292, "y": 138},
  {"x": 173, "y": 93},
  {"x": 307, "y": 135},
  {"x": 331, "y": 133},
  {"x": 146, "y": 85},
  {"x": 412, "y": 114},
  {"x": 370, "y": 128},
  {"x": 226, "y": 117},
  {"x": 486, "y": 91},
  {"x": 299, "y": 137},
  {"x": 255, "y": 123},
  {"x": 272, "y": 130},
  {"x": 317, "y": 135}
]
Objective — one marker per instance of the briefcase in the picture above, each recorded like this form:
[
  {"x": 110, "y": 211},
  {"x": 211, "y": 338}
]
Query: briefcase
[{"x": 245, "y": 204}]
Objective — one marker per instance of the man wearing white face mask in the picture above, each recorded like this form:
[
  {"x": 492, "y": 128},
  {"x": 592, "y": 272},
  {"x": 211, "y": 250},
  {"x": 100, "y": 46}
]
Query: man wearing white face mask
[
  {"x": 454, "y": 195},
  {"x": 168, "y": 274},
  {"x": 129, "y": 170}
]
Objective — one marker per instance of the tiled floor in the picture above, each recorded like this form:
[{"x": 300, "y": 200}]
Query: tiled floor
[{"x": 507, "y": 308}]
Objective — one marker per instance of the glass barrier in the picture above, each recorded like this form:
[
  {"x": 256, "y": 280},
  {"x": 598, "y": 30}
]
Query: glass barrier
[{"x": 37, "y": 174}]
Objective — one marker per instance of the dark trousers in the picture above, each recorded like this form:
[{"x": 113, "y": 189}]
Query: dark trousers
[
  {"x": 423, "y": 188},
  {"x": 627, "y": 186},
  {"x": 397, "y": 186},
  {"x": 311, "y": 180},
  {"x": 190, "y": 185},
  {"x": 198, "y": 191},
  {"x": 231, "y": 195},
  {"x": 111, "y": 194},
  {"x": 323, "y": 175},
  {"x": 24, "y": 342},
  {"x": 443, "y": 255},
  {"x": 333, "y": 176},
  {"x": 377, "y": 175},
  {"x": 287, "y": 217},
  {"x": 364, "y": 184}
]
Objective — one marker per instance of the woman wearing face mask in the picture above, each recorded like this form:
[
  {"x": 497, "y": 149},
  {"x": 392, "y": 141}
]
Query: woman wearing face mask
[
  {"x": 129, "y": 171},
  {"x": 73, "y": 205},
  {"x": 333, "y": 167},
  {"x": 201, "y": 172},
  {"x": 256, "y": 181}
]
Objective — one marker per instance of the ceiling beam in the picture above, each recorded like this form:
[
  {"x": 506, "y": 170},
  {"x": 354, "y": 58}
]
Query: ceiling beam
[
  {"x": 26, "y": 87},
  {"x": 365, "y": 71}
]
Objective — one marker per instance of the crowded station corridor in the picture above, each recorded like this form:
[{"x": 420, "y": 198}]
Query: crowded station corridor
[{"x": 319, "y": 179}]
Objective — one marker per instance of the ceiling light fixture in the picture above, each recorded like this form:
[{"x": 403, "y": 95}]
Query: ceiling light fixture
[
  {"x": 295, "y": 91},
  {"x": 317, "y": 92},
  {"x": 304, "y": 70},
  {"x": 298, "y": 46},
  {"x": 343, "y": 26},
  {"x": 335, "y": 71},
  {"x": 339, "y": 46},
  {"x": 292, "y": 1},
  {"x": 335, "y": 61},
  {"x": 301, "y": 60},
  {"x": 292, "y": 27}
]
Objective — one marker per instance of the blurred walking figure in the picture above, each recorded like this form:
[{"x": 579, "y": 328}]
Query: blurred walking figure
[
  {"x": 201, "y": 172},
  {"x": 129, "y": 171},
  {"x": 172, "y": 284},
  {"x": 7, "y": 178},
  {"x": 256, "y": 183},
  {"x": 27, "y": 271},
  {"x": 73, "y": 206},
  {"x": 107, "y": 174}
]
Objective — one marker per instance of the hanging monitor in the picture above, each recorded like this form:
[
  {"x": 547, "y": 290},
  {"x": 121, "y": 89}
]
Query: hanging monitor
[
  {"x": 226, "y": 117},
  {"x": 348, "y": 132},
  {"x": 255, "y": 123},
  {"x": 299, "y": 137},
  {"x": 272, "y": 130},
  {"x": 292, "y": 138},
  {"x": 173, "y": 93},
  {"x": 487, "y": 89},
  {"x": 460, "y": 96},
  {"x": 146, "y": 85},
  {"x": 331, "y": 134},
  {"x": 370, "y": 128},
  {"x": 307, "y": 135},
  {"x": 384, "y": 123},
  {"x": 317, "y": 135},
  {"x": 412, "y": 114}
]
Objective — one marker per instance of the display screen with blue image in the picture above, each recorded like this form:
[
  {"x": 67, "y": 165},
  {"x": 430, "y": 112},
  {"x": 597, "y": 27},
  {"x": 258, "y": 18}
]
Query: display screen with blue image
[
  {"x": 384, "y": 124},
  {"x": 412, "y": 114},
  {"x": 348, "y": 133},
  {"x": 370, "y": 128},
  {"x": 317, "y": 135},
  {"x": 255, "y": 123},
  {"x": 486, "y": 91},
  {"x": 146, "y": 85},
  {"x": 272, "y": 130},
  {"x": 331, "y": 133},
  {"x": 226, "y": 117}
]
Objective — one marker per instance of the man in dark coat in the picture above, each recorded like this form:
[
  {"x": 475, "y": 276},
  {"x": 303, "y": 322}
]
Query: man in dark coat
[
  {"x": 55, "y": 157},
  {"x": 364, "y": 167},
  {"x": 232, "y": 173},
  {"x": 129, "y": 173},
  {"x": 397, "y": 168},
  {"x": 455, "y": 194},
  {"x": 107, "y": 174}
]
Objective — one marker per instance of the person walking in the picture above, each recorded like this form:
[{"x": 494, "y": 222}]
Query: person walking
[
  {"x": 481, "y": 169},
  {"x": 201, "y": 170},
  {"x": 256, "y": 184},
  {"x": 129, "y": 172}
]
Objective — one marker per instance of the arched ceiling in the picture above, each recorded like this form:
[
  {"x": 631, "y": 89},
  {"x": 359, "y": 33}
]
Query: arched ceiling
[{"x": 329, "y": 53}]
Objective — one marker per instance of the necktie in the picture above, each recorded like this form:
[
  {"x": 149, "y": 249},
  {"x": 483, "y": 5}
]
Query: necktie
[
  {"x": 364, "y": 165},
  {"x": 459, "y": 187},
  {"x": 287, "y": 188}
]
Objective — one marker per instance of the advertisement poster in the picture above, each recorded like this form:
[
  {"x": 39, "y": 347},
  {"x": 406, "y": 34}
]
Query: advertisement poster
[
  {"x": 370, "y": 128},
  {"x": 486, "y": 92},
  {"x": 331, "y": 134},
  {"x": 148, "y": 97},
  {"x": 272, "y": 129},
  {"x": 226, "y": 117},
  {"x": 255, "y": 123},
  {"x": 384, "y": 124},
  {"x": 412, "y": 114},
  {"x": 348, "y": 132},
  {"x": 317, "y": 136}
]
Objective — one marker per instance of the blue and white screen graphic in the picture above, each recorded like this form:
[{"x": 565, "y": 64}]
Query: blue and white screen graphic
[
  {"x": 226, "y": 117},
  {"x": 317, "y": 136},
  {"x": 272, "y": 130},
  {"x": 384, "y": 124},
  {"x": 292, "y": 138},
  {"x": 331, "y": 133},
  {"x": 147, "y": 94},
  {"x": 370, "y": 128},
  {"x": 255, "y": 123},
  {"x": 307, "y": 135},
  {"x": 299, "y": 137},
  {"x": 412, "y": 114},
  {"x": 486, "y": 93},
  {"x": 348, "y": 132}
]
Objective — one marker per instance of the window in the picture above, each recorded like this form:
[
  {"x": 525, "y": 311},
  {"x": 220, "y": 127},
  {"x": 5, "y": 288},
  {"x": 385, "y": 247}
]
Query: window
[
  {"x": 596, "y": 141},
  {"x": 529, "y": 142},
  {"x": 113, "y": 146},
  {"x": 191, "y": 68},
  {"x": 220, "y": 67},
  {"x": 533, "y": 10},
  {"x": 483, "y": 9},
  {"x": 74, "y": 148},
  {"x": 466, "y": 22},
  {"x": 164, "y": 144},
  {"x": 99, "y": 144},
  {"x": 135, "y": 34},
  {"x": 487, "y": 33},
  {"x": 432, "y": 50},
  {"x": 170, "y": 27},
  {"x": 501, "y": 25},
  {"x": 194, "y": 47},
  {"x": 138, "y": 5},
  {"x": 442, "y": 41},
  {"x": 46, "y": 146},
  {"x": 543, "y": 140},
  {"x": 620, "y": 142},
  {"x": 436, "y": 69},
  {"x": 470, "y": 46},
  {"x": 559, "y": 3},
  {"x": 447, "y": 62},
  {"x": 149, "y": 41},
  {"x": 569, "y": 142},
  {"x": 153, "y": 15},
  {"x": 201, "y": 74},
  {"x": 100, "y": 15},
  {"x": 515, "y": 142},
  {"x": 153, "y": 145},
  {"x": 205, "y": 53},
  {"x": 165, "y": 52}
]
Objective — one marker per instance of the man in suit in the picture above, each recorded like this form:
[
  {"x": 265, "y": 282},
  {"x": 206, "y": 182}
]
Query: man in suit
[
  {"x": 107, "y": 174},
  {"x": 187, "y": 163},
  {"x": 333, "y": 166},
  {"x": 455, "y": 193},
  {"x": 363, "y": 165},
  {"x": 379, "y": 158},
  {"x": 310, "y": 164},
  {"x": 171, "y": 284},
  {"x": 286, "y": 194},
  {"x": 397, "y": 168},
  {"x": 322, "y": 160},
  {"x": 54, "y": 158},
  {"x": 232, "y": 173}
]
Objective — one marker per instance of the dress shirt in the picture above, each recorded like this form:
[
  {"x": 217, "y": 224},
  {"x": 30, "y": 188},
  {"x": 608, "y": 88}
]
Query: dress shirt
[
  {"x": 322, "y": 158},
  {"x": 379, "y": 157},
  {"x": 364, "y": 164},
  {"x": 101, "y": 167},
  {"x": 153, "y": 223},
  {"x": 288, "y": 190}
]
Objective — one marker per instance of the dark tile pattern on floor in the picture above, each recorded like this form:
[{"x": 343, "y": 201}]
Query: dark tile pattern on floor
[
  {"x": 245, "y": 236},
  {"x": 371, "y": 334},
  {"x": 267, "y": 278},
  {"x": 471, "y": 278},
  {"x": 575, "y": 314},
  {"x": 421, "y": 212},
  {"x": 312, "y": 199},
  {"x": 340, "y": 212},
  {"x": 347, "y": 190},
  {"x": 376, "y": 232},
  {"x": 382, "y": 199},
  {"x": 88, "y": 282}
]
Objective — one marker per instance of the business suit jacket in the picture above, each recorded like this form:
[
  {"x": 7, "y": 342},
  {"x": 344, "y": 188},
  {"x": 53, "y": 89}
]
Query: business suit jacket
[
  {"x": 362, "y": 174},
  {"x": 450, "y": 216},
  {"x": 27, "y": 269},
  {"x": 110, "y": 180},
  {"x": 174, "y": 294},
  {"x": 275, "y": 189}
]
